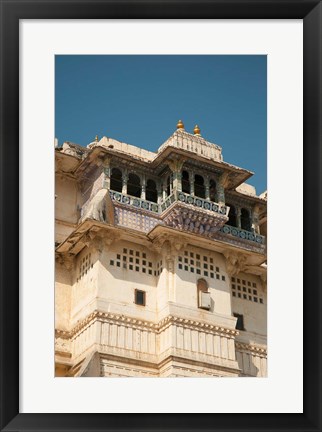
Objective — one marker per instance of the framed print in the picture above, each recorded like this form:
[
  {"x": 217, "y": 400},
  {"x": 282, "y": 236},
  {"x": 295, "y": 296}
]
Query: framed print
[{"x": 160, "y": 249}]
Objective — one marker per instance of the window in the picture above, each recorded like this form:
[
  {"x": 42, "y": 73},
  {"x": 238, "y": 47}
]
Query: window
[
  {"x": 240, "y": 321},
  {"x": 245, "y": 221},
  {"x": 151, "y": 191},
  {"x": 116, "y": 180},
  {"x": 139, "y": 297},
  {"x": 232, "y": 215},
  {"x": 200, "y": 190},
  {"x": 134, "y": 185},
  {"x": 185, "y": 182}
]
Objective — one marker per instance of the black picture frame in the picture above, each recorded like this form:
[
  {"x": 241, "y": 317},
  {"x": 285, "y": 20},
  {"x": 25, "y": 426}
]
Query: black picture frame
[{"x": 11, "y": 12}]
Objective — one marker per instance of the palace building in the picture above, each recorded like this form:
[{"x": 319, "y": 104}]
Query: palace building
[{"x": 160, "y": 262}]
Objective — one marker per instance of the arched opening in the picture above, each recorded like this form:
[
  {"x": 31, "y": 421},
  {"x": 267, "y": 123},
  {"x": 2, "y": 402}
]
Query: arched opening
[
  {"x": 116, "y": 180},
  {"x": 151, "y": 191},
  {"x": 212, "y": 190},
  {"x": 245, "y": 222},
  {"x": 185, "y": 182},
  {"x": 134, "y": 185},
  {"x": 232, "y": 216},
  {"x": 200, "y": 186}
]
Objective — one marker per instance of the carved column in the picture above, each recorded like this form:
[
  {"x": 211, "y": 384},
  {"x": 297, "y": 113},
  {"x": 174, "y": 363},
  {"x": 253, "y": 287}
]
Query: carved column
[
  {"x": 107, "y": 172},
  {"x": 159, "y": 192},
  {"x": 238, "y": 217},
  {"x": 222, "y": 184},
  {"x": 207, "y": 188},
  {"x": 192, "y": 182},
  {"x": 255, "y": 219},
  {"x": 176, "y": 167},
  {"x": 143, "y": 188},
  {"x": 125, "y": 178}
]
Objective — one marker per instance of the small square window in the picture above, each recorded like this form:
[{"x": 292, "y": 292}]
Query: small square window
[
  {"x": 186, "y": 253},
  {"x": 155, "y": 273},
  {"x": 144, "y": 270},
  {"x": 211, "y": 260},
  {"x": 250, "y": 298},
  {"x": 124, "y": 258},
  {"x": 212, "y": 275},
  {"x": 198, "y": 263},
  {"x": 186, "y": 260},
  {"x": 205, "y": 266},
  {"x": 143, "y": 262},
  {"x": 205, "y": 258},
  {"x": 217, "y": 270},
  {"x": 244, "y": 289},
  {"x": 112, "y": 262},
  {"x": 249, "y": 284},
  {"x": 238, "y": 287},
  {"x": 137, "y": 261},
  {"x": 150, "y": 264},
  {"x": 191, "y": 254},
  {"x": 244, "y": 282},
  {"x": 137, "y": 268},
  {"x": 131, "y": 267},
  {"x": 198, "y": 271},
  {"x": 205, "y": 273},
  {"x": 192, "y": 270},
  {"x": 261, "y": 300},
  {"x": 223, "y": 277},
  {"x": 137, "y": 253},
  {"x": 192, "y": 262},
  {"x": 232, "y": 279},
  {"x": 144, "y": 255},
  {"x": 180, "y": 266},
  {"x": 217, "y": 276},
  {"x": 233, "y": 286},
  {"x": 234, "y": 294},
  {"x": 131, "y": 259},
  {"x": 198, "y": 256},
  {"x": 118, "y": 264},
  {"x": 254, "y": 285},
  {"x": 239, "y": 295},
  {"x": 180, "y": 259},
  {"x": 238, "y": 280},
  {"x": 255, "y": 299},
  {"x": 255, "y": 292},
  {"x": 211, "y": 267},
  {"x": 245, "y": 296},
  {"x": 118, "y": 256},
  {"x": 124, "y": 266},
  {"x": 139, "y": 297},
  {"x": 150, "y": 272},
  {"x": 249, "y": 290},
  {"x": 186, "y": 268},
  {"x": 124, "y": 250},
  {"x": 131, "y": 252}
]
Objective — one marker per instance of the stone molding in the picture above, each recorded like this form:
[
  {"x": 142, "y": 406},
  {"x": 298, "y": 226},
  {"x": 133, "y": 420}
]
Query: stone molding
[
  {"x": 253, "y": 349},
  {"x": 235, "y": 262},
  {"x": 137, "y": 323}
]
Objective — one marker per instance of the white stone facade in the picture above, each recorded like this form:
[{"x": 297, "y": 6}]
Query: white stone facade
[{"x": 171, "y": 286}]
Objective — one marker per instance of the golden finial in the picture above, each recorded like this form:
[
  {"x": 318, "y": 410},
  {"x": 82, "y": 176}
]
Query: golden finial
[
  {"x": 96, "y": 138},
  {"x": 196, "y": 130},
  {"x": 180, "y": 125}
]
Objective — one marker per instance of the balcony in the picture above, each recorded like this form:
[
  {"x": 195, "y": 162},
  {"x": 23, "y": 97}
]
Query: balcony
[{"x": 135, "y": 202}]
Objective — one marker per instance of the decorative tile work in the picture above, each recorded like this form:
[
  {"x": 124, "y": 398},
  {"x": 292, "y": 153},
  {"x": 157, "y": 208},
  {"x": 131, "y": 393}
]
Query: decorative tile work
[
  {"x": 242, "y": 234},
  {"x": 135, "y": 220},
  {"x": 84, "y": 266},
  {"x": 138, "y": 203},
  {"x": 199, "y": 264},
  {"x": 245, "y": 290},
  {"x": 134, "y": 260}
]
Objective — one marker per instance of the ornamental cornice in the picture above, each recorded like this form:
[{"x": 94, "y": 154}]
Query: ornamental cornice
[
  {"x": 146, "y": 325},
  {"x": 254, "y": 349}
]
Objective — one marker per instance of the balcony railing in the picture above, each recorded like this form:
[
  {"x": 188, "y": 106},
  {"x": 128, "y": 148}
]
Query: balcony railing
[
  {"x": 242, "y": 234},
  {"x": 135, "y": 202},
  {"x": 195, "y": 201}
]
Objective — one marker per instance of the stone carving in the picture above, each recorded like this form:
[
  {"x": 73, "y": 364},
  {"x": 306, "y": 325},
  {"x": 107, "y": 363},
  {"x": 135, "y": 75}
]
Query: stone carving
[
  {"x": 97, "y": 208},
  {"x": 65, "y": 259},
  {"x": 235, "y": 262}
]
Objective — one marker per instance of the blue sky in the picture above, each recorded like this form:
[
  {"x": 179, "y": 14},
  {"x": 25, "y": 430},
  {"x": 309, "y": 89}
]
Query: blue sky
[{"x": 139, "y": 99}]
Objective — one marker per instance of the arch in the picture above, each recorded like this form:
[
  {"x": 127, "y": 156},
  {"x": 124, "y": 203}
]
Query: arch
[
  {"x": 203, "y": 294},
  {"x": 185, "y": 182},
  {"x": 202, "y": 285},
  {"x": 232, "y": 215},
  {"x": 151, "y": 191},
  {"x": 116, "y": 180},
  {"x": 200, "y": 190},
  {"x": 134, "y": 185},
  {"x": 212, "y": 190},
  {"x": 245, "y": 221}
]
